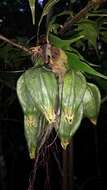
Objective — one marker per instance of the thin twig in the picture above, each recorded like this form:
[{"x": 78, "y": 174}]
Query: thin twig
[
  {"x": 15, "y": 44},
  {"x": 68, "y": 24},
  {"x": 104, "y": 100}
]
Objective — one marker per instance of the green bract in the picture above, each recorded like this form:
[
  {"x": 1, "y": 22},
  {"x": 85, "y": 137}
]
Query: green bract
[
  {"x": 42, "y": 86},
  {"x": 92, "y": 102},
  {"x": 49, "y": 100},
  {"x": 24, "y": 97},
  {"x": 74, "y": 88},
  {"x": 33, "y": 120},
  {"x": 34, "y": 130},
  {"x": 66, "y": 130}
]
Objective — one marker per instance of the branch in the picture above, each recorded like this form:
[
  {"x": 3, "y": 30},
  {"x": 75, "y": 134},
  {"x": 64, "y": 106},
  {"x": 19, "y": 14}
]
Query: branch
[
  {"x": 15, "y": 44},
  {"x": 104, "y": 100},
  {"x": 68, "y": 24}
]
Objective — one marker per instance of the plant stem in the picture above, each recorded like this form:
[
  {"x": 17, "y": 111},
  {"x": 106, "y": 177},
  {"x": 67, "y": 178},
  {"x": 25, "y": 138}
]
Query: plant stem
[
  {"x": 68, "y": 169},
  {"x": 104, "y": 100},
  {"x": 15, "y": 44},
  {"x": 68, "y": 24}
]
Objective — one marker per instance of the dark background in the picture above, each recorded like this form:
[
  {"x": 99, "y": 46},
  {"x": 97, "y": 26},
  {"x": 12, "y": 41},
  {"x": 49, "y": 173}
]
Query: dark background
[{"x": 88, "y": 146}]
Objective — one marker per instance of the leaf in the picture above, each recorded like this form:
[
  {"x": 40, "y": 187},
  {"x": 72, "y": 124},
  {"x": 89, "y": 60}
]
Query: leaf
[
  {"x": 104, "y": 36},
  {"x": 64, "y": 44},
  {"x": 48, "y": 6},
  {"x": 53, "y": 26},
  {"x": 46, "y": 10},
  {"x": 98, "y": 14},
  {"x": 75, "y": 63},
  {"x": 102, "y": 83},
  {"x": 32, "y": 6},
  {"x": 89, "y": 30}
]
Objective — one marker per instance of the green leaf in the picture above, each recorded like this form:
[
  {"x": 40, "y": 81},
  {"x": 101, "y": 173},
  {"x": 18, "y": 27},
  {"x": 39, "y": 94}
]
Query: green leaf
[
  {"x": 46, "y": 10},
  {"x": 89, "y": 30},
  {"x": 75, "y": 63},
  {"x": 53, "y": 26},
  {"x": 48, "y": 7},
  {"x": 64, "y": 44},
  {"x": 104, "y": 36},
  {"x": 102, "y": 83},
  {"x": 32, "y": 7}
]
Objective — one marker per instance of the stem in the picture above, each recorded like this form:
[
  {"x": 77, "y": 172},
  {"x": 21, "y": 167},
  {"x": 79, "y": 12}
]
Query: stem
[
  {"x": 83, "y": 12},
  {"x": 15, "y": 44},
  {"x": 68, "y": 168},
  {"x": 104, "y": 100}
]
